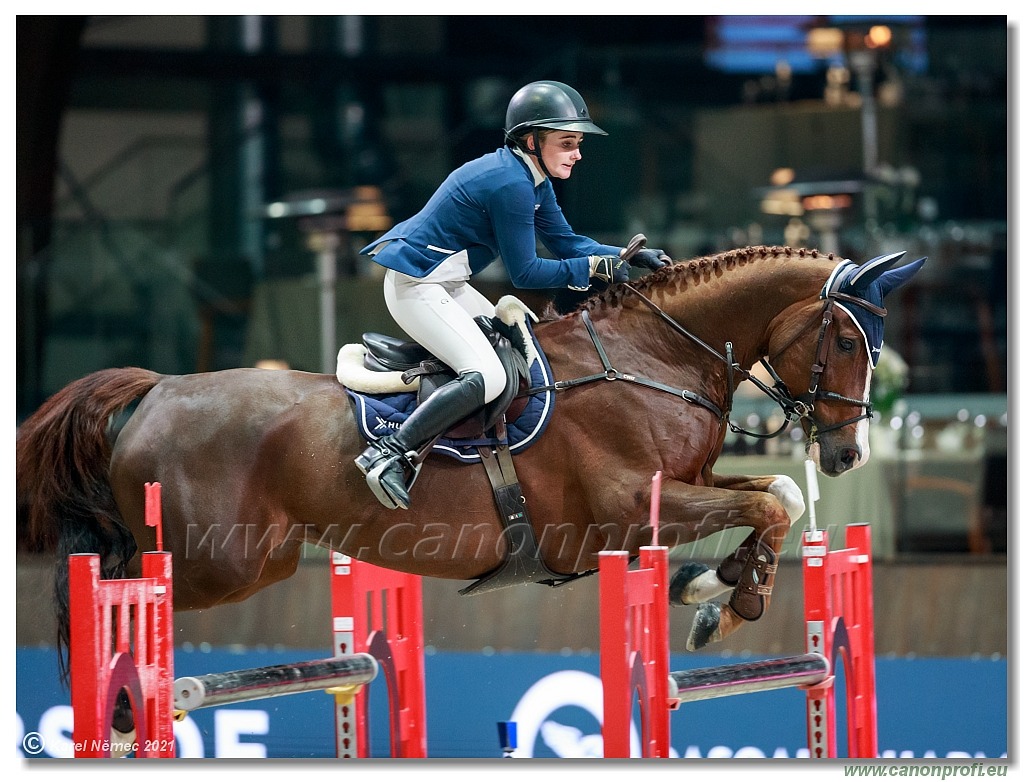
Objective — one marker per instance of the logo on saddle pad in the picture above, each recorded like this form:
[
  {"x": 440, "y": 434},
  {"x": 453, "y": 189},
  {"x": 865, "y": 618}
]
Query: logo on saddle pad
[{"x": 385, "y": 426}]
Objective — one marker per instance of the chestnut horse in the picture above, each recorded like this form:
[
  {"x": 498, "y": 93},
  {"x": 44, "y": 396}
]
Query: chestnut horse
[{"x": 254, "y": 463}]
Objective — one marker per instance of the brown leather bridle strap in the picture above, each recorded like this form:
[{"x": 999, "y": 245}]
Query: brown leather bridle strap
[
  {"x": 821, "y": 359},
  {"x": 824, "y": 343},
  {"x": 874, "y": 309}
]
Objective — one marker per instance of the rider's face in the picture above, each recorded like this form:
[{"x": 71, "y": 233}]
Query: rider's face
[{"x": 560, "y": 151}]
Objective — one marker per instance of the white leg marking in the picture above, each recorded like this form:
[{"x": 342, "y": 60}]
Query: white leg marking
[
  {"x": 121, "y": 743},
  {"x": 703, "y": 588}
]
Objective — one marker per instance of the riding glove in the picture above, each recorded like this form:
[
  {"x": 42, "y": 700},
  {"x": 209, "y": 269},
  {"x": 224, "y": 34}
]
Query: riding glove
[
  {"x": 610, "y": 268},
  {"x": 649, "y": 259}
]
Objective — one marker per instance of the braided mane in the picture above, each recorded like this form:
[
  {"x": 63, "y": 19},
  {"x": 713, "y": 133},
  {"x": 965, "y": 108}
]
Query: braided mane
[
  {"x": 683, "y": 271},
  {"x": 694, "y": 270},
  {"x": 730, "y": 259}
]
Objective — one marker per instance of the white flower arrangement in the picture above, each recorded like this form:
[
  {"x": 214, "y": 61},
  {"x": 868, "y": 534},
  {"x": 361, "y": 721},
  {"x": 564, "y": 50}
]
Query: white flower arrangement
[{"x": 889, "y": 380}]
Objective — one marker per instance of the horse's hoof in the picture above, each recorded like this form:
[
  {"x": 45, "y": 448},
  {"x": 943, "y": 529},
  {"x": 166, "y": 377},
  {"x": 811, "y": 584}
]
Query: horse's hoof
[
  {"x": 705, "y": 628},
  {"x": 123, "y": 744},
  {"x": 123, "y": 719},
  {"x": 680, "y": 591}
]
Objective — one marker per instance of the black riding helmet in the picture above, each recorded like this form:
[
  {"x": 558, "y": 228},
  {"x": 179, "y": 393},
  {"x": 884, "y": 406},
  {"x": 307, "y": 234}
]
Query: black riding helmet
[{"x": 546, "y": 104}]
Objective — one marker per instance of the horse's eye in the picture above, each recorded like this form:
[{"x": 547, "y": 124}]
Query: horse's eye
[{"x": 846, "y": 344}]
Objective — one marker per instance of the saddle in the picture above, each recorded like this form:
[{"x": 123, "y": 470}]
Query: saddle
[{"x": 389, "y": 354}]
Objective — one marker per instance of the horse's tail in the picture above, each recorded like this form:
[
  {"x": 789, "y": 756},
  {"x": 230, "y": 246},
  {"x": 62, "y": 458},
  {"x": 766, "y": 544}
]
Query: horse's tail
[{"x": 64, "y": 497}]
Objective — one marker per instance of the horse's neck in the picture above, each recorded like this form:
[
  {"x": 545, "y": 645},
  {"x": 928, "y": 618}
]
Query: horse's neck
[{"x": 741, "y": 305}]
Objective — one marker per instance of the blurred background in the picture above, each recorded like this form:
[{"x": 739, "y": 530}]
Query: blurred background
[{"x": 192, "y": 192}]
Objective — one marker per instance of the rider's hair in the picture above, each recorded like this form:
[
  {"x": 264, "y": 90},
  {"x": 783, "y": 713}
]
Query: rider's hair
[{"x": 542, "y": 133}]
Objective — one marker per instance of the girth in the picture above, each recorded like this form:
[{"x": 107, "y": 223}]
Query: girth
[{"x": 523, "y": 563}]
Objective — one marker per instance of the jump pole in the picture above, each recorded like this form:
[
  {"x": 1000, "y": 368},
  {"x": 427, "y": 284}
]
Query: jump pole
[
  {"x": 122, "y": 639},
  {"x": 838, "y": 613},
  {"x": 218, "y": 689},
  {"x": 377, "y": 627}
]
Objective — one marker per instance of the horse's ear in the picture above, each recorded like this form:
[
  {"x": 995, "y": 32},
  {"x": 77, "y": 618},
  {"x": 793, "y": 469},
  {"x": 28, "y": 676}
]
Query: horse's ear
[
  {"x": 868, "y": 272},
  {"x": 894, "y": 278},
  {"x": 879, "y": 269}
]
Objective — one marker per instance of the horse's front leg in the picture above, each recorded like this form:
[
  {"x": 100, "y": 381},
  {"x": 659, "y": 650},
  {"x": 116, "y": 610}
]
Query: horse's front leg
[{"x": 767, "y": 504}]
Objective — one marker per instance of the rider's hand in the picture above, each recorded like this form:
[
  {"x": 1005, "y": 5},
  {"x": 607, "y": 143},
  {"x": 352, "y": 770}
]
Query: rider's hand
[
  {"x": 649, "y": 259},
  {"x": 610, "y": 268}
]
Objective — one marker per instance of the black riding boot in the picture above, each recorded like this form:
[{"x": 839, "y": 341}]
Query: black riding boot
[{"x": 385, "y": 461}]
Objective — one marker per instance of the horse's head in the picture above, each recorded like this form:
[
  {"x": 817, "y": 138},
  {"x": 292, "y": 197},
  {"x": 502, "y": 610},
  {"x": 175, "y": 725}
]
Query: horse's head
[{"x": 839, "y": 337}]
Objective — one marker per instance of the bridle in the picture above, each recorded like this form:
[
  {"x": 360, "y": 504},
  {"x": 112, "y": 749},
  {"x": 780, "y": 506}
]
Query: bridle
[
  {"x": 814, "y": 390},
  {"x": 794, "y": 408}
]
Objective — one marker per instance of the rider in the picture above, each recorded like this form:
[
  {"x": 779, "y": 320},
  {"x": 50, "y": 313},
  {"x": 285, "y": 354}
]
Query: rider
[{"x": 496, "y": 205}]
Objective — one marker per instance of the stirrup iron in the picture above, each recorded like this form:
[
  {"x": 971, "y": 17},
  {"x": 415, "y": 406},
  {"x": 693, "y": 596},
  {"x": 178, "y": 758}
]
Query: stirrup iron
[{"x": 380, "y": 489}]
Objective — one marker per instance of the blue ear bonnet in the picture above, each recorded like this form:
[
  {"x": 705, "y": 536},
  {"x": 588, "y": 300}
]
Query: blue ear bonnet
[{"x": 870, "y": 282}]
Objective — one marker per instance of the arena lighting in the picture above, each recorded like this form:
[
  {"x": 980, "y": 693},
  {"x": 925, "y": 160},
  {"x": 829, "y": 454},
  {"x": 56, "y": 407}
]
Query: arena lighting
[
  {"x": 325, "y": 216},
  {"x": 789, "y": 197},
  {"x": 782, "y": 176},
  {"x": 825, "y": 42},
  {"x": 823, "y": 201},
  {"x": 752, "y": 44},
  {"x": 878, "y": 37},
  {"x": 360, "y": 208},
  {"x": 782, "y": 202},
  {"x": 300, "y": 207}
]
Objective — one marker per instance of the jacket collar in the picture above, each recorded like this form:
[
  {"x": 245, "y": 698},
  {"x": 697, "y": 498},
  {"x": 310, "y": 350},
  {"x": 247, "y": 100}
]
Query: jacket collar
[{"x": 538, "y": 177}]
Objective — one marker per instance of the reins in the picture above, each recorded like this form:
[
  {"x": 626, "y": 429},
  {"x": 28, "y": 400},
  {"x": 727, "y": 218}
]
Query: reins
[
  {"x": 610, "y": 373},
  {"x": 793, "y": 408}
]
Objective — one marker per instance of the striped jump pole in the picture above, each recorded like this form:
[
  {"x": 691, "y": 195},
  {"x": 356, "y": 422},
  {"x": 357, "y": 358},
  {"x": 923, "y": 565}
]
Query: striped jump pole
[
  {"x": 701, "y": 684},
  {"x": 218, "y": 689},
  {"x": 380, "y": 612}
]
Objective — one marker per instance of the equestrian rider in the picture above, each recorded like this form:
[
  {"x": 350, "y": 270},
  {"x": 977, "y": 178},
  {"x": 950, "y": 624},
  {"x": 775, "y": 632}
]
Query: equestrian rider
[{"x": 496, "y": 205}]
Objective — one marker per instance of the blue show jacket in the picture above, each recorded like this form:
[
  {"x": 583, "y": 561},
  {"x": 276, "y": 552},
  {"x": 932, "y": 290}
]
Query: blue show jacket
[{"x": 491, "y": 208}]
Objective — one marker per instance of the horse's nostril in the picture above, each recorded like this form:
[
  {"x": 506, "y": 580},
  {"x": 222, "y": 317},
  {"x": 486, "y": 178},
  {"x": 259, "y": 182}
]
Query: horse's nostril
[{"x": 850, "y": 457}]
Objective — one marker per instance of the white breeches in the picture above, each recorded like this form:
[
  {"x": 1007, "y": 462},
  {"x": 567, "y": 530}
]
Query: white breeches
[{"x": 439, "y": 316}]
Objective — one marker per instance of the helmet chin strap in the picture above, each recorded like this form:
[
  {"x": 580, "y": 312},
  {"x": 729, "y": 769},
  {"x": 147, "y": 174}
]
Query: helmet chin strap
[{"x": 536, "y": 153}]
